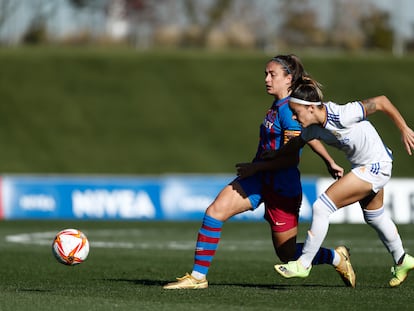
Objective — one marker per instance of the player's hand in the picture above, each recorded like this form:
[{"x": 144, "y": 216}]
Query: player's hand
[
  {"x": 407, "y": 137},
  {"x": 268, "y": 154},
  {"x": 245, "y": 169},
  {"x": 335, "y": 170}
]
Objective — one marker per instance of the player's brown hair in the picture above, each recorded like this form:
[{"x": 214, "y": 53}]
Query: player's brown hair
[
  {"x": 292, "y": 65},
  {"x": 309, "y": 90}
]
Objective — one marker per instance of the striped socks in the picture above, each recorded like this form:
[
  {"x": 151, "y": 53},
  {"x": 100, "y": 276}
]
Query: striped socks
[{"x": 207, "y": 243}]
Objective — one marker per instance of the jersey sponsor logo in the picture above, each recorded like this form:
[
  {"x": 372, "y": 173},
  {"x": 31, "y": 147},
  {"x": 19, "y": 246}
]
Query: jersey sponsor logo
[
  {"x": 268, "y": 124},
  {"x": 270, "y": 119}
]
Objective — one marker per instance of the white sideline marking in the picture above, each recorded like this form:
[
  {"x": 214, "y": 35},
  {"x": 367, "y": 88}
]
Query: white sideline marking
[{"x": 46, "y": 238}]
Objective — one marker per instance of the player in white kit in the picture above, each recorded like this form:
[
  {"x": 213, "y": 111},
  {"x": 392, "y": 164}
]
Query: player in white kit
[{"x": 346, "y": 128}]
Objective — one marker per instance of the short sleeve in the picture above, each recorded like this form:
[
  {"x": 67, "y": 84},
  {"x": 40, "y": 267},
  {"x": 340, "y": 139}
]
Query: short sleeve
[{"x": 352, "y": 112}]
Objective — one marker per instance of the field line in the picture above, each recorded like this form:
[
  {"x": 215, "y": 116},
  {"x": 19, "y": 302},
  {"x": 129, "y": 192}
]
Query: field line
[{"x": 124, "y": 242}]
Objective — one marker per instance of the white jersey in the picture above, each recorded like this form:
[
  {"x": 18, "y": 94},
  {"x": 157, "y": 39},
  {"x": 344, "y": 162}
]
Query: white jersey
[{"x": 347, "y": 129}]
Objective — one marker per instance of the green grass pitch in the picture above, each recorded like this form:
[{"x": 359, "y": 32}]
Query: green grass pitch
[{"x": 130, "y": 261}]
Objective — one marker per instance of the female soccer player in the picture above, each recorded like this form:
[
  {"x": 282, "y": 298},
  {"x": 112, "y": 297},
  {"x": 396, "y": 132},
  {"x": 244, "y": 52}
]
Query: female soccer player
[
  {"x": 280, "y": 191},
  {"x": 346, "y": 128}
]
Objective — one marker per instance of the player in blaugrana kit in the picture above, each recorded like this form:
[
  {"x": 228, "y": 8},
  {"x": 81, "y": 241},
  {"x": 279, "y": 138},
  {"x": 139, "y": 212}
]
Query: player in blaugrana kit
[
  {"x": 280, "y": 191},
  {"x": 346, "y": 128}
]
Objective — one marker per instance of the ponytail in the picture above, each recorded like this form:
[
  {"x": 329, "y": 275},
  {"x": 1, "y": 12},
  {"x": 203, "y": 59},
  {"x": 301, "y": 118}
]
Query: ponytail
[{"x": 308, "y": 89}]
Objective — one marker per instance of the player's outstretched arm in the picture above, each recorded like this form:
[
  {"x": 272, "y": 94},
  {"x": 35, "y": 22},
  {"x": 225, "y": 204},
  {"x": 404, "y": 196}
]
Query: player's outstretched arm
[
  {"x": 285, "y": 157},
  {"x": 334, "y": 169},
  {"x": 382, "y": 103}
]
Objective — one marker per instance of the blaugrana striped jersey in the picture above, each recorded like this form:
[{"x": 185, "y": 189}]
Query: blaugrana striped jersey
[{"x": 277, "y": 128}]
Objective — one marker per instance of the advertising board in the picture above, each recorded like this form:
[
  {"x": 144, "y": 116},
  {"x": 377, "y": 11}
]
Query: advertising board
[{"x": 165, "y": 197}]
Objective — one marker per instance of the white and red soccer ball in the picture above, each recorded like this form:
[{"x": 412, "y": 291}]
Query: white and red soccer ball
[{"x": 70, "y": 247}]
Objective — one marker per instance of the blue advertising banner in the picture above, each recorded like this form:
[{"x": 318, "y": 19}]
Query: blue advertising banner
[
  {"x": 38, "y": 197},
  {"x": 165, "y": 197},
  {"x": 168, "y": 197}
]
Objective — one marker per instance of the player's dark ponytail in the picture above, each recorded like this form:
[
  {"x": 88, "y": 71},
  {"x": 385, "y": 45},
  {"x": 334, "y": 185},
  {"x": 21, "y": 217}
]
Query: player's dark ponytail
[{"x": 309, "y": 90}]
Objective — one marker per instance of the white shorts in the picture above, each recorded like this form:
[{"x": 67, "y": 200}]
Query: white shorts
[{"x": 377, "y": 174}]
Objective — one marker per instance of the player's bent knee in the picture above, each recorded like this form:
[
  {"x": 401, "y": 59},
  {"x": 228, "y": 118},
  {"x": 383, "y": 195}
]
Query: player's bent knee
[{"x": 221, "y": 212}]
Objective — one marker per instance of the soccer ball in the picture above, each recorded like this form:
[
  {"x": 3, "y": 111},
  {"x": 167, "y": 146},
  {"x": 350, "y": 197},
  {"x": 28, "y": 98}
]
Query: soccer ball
[{"x": 70, "y": 247}]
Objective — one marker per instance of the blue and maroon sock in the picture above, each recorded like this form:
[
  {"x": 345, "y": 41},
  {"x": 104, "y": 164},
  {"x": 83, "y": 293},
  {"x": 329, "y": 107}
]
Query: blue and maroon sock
[
  {"x": 207, "y": 243},
  {"x": 323, "y": 256}
]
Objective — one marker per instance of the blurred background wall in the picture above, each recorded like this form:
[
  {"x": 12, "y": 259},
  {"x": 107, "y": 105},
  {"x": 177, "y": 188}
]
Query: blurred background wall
[{"x": 266, "y": 25}]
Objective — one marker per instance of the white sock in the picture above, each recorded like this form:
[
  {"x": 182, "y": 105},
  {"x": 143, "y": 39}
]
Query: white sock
[
  {"x": 387, "y": 231},
  {"x": 322, "y": 208},
  {"x": 198, "y": 275},
  {"x": 337, "y": 259}
]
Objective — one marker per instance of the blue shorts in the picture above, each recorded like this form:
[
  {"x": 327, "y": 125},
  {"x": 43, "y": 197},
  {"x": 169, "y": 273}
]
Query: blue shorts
[
  {"x": 285, "y": 183},
  {"x": 281, "y": 210},
  {"x": 253, "y": 188}
]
